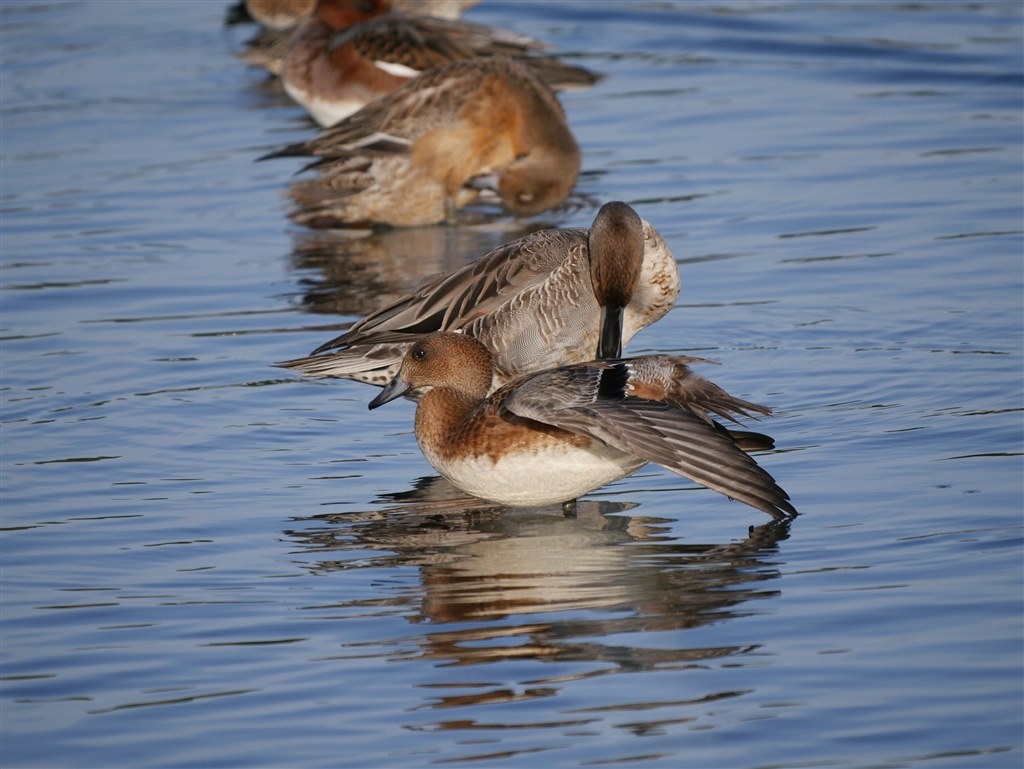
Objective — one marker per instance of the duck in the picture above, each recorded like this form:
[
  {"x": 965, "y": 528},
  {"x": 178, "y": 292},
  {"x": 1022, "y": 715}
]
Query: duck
[
  {"x": 552, "y": 436},
  {"x": 441, "y": 9},
  {"x": 549, "y": 298},
  {"x": 333, "y": 68},
  {"x": 284, "y": 14},
  {"x": 279, "y": 19},
  {"x": 417, "y": 155}
]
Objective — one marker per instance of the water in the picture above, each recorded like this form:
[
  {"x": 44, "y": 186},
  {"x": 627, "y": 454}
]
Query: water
[{"x": 207, "y": 561}]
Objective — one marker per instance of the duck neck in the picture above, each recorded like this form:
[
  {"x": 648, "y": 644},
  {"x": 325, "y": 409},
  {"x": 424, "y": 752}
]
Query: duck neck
[{"x": 441, "y": 415}]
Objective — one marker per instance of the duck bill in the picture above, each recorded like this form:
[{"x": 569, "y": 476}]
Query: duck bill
[
  {"x": 396, "y": 388},
  {"x": 609, "y": 345}
]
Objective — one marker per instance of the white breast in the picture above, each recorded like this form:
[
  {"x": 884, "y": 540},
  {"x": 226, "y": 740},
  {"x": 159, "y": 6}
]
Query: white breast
[
  {"x": 537, "y": 478},
  {"x": 323, "y": 111}
]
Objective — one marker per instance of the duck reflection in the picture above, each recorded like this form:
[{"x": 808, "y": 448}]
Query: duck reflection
[
  {"x": 354, "y": 272},
  {"x": 535, "y": 584}
]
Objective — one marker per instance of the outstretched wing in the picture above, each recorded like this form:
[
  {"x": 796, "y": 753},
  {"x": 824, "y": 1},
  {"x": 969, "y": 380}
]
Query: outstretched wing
[{"x": 592, "y": 399}]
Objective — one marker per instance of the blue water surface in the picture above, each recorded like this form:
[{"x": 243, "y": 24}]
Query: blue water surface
[{"x": 207, "y": 561}]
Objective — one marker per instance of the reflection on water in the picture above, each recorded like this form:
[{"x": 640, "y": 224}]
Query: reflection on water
[
  {"x": 526, "y": 581},
  {"x": 354, "y": 272}
]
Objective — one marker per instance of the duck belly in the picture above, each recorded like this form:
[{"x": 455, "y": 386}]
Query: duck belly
[{"x": 541, "y": 477}]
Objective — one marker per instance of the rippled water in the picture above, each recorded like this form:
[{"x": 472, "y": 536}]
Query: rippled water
[{"x": 207, "y": 561}]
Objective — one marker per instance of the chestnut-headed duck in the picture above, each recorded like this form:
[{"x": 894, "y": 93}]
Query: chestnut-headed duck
[
  {"x": 417, "y": 155},
  {"x": 552, "y": 436},
  {"x": 547, "y": 299},
  {"x": 333, "y": 71},
  {"x": 284, "y": 14},
  {"x": 280, "y": 19}
]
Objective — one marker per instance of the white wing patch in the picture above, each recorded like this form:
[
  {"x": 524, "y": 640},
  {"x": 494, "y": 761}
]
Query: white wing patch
[{"x": 395, "y": 69}]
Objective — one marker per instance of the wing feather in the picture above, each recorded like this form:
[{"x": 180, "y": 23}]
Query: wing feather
[
  {"x": 675, "y": 436},
  {"x": 447, "y": 302}
]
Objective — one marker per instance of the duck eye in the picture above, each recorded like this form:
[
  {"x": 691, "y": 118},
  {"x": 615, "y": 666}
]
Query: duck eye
[{"x": 419, "y": 353}]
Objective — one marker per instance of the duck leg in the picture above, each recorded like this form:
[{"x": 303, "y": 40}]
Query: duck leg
[{"x": 450, "y": 217}]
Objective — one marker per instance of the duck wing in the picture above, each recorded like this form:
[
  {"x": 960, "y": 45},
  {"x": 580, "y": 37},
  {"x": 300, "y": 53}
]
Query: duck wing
[
  {"x": 391, "y": 123},
  {"x": 412, "y": 43},
  {"x": 594, "y": 399},
  {"x": 450, "y": 301}
]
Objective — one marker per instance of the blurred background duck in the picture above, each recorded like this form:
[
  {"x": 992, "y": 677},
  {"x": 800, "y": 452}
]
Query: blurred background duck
[
  {"x": 334, "y": 67},
  {"x": 417, "y": 155},
  {"x": 280, "y": 18}
]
